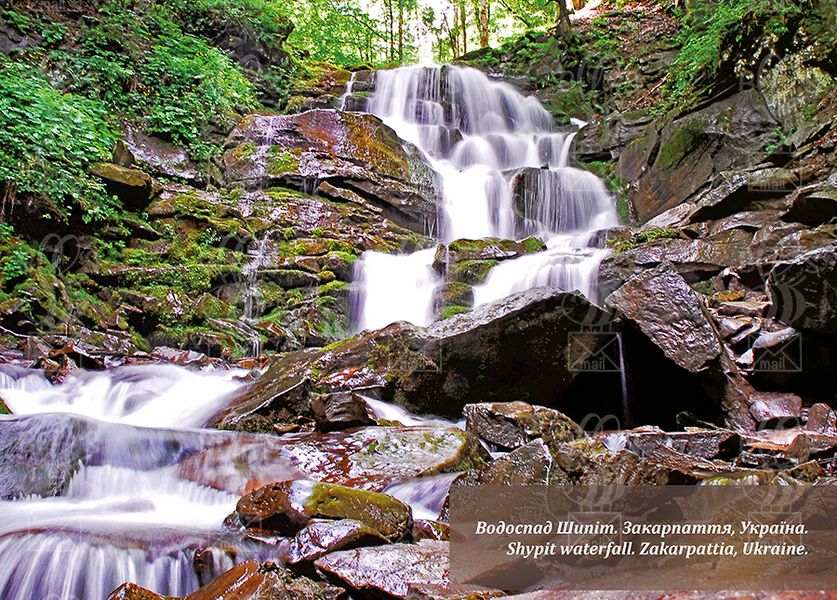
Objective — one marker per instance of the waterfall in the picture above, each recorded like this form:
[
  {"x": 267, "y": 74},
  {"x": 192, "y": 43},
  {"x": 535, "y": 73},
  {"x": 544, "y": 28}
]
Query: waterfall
[{"x": 504, "y": 172}]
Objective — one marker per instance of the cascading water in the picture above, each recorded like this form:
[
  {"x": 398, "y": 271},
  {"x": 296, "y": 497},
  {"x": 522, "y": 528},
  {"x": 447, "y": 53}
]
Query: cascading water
[
  {"x": 504, "y": 172},
  {"x": 106, "y": 479}
]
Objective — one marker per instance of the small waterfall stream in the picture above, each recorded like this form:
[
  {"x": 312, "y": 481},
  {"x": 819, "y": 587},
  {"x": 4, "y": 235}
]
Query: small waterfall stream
[
  {"x": 504, "y": 172},
  {"x": 107, "y": 478}
]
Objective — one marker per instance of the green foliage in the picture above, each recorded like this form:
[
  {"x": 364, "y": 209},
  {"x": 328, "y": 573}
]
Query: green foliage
[
  {"x": 47, "y": 140},
  {"x": 712, "y": 32},
  {"x": 143, "y": 66},
  {"x": 336, "y": 31}
]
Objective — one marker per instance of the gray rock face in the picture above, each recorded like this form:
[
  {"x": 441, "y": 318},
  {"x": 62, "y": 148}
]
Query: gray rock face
[
  {"x": 512, "y": 424},
  {"x": 671, "y": 314},
  {"x": 804, "y": 290},
  {"x": 693, "y": 149}
]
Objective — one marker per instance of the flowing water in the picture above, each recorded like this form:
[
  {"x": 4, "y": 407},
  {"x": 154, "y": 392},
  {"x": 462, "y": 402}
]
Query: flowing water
[
  {"x": 108, "y": 478},
  {"x": 504, "y": 172}
]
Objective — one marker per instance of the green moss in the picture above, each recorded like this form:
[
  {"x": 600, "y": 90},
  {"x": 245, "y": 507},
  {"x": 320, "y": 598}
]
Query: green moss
[
  {"x": 333, "y": 288},
  {"x": 533, "y": 244},
  {"x": 683, "y": 141},
  {"x": 281, "y": 161},
  {"x": 450, "y": 311},
  {"x": 472, "y": 272},
  {"x": 645, "y": 236}
]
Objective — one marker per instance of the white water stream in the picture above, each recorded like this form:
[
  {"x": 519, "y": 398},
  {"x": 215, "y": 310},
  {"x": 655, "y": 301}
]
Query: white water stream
[
  {"x": 504, "y": 172},
  {"x": 131, "y": 505}
]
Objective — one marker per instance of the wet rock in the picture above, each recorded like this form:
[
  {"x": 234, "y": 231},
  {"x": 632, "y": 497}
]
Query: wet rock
[
  {"x": 368, "y": 458},
  {"x": 671, "y": 314},
  {"x": 40, "y": 454},
  {"x": 530, "y": 464},
  {"x": 251, "y": 581},
  {"x": 288, "y": 506},
  {"x": 351, "y": 151},
  {"x": 453, "y": 293},
  {"x": 397, "y": 570},
  {"x": 770, "y": 407},
  {"x": 133, "y": 186},
  {"x": 813, "y": 208},
  {"x": 693, "y": 149},
  {"x": 155, "y": 156},
  {"x": 706, "y": 443},
  {"x": 485, "y": 249},
  {"x": 495, "y": 352},
  {"x": 512, "y": 424},
  {"x": 804, "y": 290},
  {"x": 340, "y": 410},
  {"x": 131, "y": 591},
  {"x": 186, "y": 358},
  {"x": 822, "y": 419},
  {"x": 425, "y": 529},
  {"x": 319, "y": 538}
]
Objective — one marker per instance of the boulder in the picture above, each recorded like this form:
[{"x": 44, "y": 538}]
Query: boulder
[
  {"x": 524, "y": 346},
  {"x": 340, "y": 410},
  {"x": 351, "y": 151},
  {"x": 40, "y": 454},
  {"x": 288, "y": 506},
  {"x": 485, "y": 249},
  {"x": 530, "y": 464},
  {"x": 804, "y": 290},
  {"x": 367, "y": 458},
  {"x": 246, "y": 581},
  {"x": 133, "y": 186},
  {"x": 155, "y": 156},
  {"x": 671, "y": 314},
  {"x": 731, "y": 133},
  {"x": 512, "y": 424},
  {"x": 321, "y": 537},
  {"x": 398, "y": 571}
]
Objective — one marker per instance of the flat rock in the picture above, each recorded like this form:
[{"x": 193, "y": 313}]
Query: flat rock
[
  {"x": 512, "y": 424},
  {"x": 398, "y": 571},
  {"x": 319, "y": 538}
]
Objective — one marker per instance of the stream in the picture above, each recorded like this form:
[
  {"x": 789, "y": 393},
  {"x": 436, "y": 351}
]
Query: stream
[{"x": 109, "y": 476}]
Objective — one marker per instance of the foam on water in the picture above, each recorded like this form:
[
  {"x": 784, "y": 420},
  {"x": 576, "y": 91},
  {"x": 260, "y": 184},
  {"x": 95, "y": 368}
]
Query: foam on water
[{"x": 504, "y": 173}]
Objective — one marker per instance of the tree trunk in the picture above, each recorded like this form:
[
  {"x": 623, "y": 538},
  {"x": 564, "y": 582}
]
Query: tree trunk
[
  {"x": 483, "y": 16},
  {"x": 400, "y": 31},
  {"x": 564, "y": 27},
  {"x": 463, "y": 19}
]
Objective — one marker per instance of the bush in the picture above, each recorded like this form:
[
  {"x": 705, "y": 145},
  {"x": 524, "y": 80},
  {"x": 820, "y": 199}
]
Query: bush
[
  {"x": 47, "y": 139},
  {"x": 145, "y": 68}
]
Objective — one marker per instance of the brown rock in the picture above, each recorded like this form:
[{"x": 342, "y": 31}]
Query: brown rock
[{"x": 288, "y": 506}]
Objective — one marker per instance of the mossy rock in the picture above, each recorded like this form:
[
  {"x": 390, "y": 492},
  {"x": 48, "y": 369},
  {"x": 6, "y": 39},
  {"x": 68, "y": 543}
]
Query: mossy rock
[
  {"x": 453, "y": 293},
  {"x": 288, "y": 506},
  {"x": 4, "y": 410},
  {"x": 473, "y": 272},
  {"x": 452, "y": 311}
]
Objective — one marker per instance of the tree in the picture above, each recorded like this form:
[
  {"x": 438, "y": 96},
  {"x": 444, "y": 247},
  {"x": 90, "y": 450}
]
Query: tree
[
  {"x": 564, "y": 27},
  {"x": 483, "y": 12}
]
